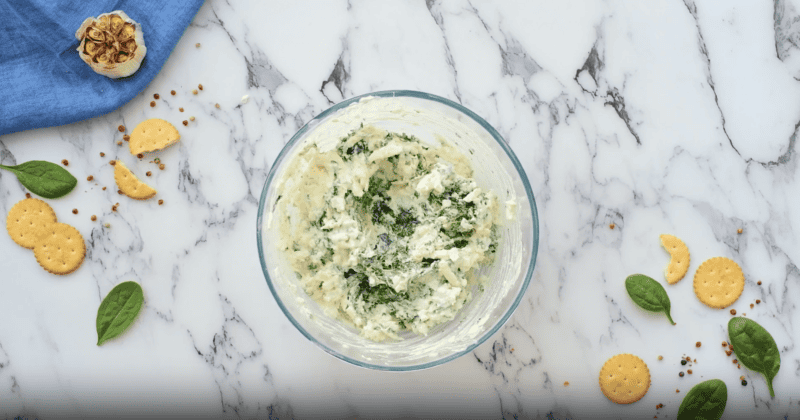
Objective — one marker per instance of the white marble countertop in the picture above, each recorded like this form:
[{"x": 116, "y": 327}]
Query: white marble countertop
[{"x": 659, "y": 117}]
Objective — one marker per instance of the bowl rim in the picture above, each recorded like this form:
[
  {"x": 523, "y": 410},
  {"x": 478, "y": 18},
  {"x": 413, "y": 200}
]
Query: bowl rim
[{"x": 495, "y": 135}]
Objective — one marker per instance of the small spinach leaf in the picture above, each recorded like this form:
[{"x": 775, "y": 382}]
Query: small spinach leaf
[
  {"x": 43, "y": 178},
  {"x": 755, "y": 348},
  {"x": 705, "y": 400},
  {"x": 648, "y": 294},
  {"x": 118, "y": 310}
]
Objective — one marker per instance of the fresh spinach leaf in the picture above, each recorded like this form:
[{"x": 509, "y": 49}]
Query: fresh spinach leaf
[
  {"x": 705, "y": 401},
  {"x": 118, "y": 310},
  {"x": 648, "y": 294},
  {"x": 755, "y": 348},
  {"x": 43, "y": 178}
]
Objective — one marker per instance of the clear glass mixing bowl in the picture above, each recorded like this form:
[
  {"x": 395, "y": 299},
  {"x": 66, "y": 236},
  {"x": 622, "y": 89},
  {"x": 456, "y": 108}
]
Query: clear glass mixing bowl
[{"x": 495, "y": 167}]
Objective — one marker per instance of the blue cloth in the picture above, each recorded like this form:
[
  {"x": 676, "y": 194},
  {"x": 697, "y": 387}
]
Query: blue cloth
[{"x": 43, "y": 81}]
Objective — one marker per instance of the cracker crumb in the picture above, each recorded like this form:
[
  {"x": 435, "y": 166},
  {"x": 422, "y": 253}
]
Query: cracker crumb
[
  {"x": 74, "y": 211},
  {"x": 612, "y": 226},
  {"x": 185, "y": 122},
  {"x": 126, "y": 137},
  {"x": 89, "y": 178},
  {"x": 217, "y": 106},
  {"x": 739, "y": 231},
  {"x": 246, "y": 99},
  {"x": 121, "y": 128},
  {"x": 155, "y": 95},
  {"x": 172, "y": 92},
  {"x": 119, "y": 143},
  {"x": 689, "y": 371},
  {"x": 733, "y": 311},
  {"x": 752, "y": 306},
  {"x": 194, "y": 92},
  {"x": 152, "y": 104},
  {"x": 197, "y": 45},
  {"x": 107, "y": 225},
  {"x": 64, "y": 162},
  {"x": 104, "y": 188},
  {"x": 660, "y": 357},
  {"x": 191, "y": 118},
  {"x": 566, "y": 383},
  {"x": 161, "y": 166},
  {"x": 94, "y": 217}
]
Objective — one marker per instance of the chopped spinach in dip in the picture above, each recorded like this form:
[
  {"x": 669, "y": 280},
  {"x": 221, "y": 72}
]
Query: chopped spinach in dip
[{"x": 384, "y": 231}]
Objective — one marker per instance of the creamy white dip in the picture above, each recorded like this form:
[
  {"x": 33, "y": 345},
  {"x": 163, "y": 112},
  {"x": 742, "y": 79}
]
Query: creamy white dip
[{"x": 384, "y": 232}]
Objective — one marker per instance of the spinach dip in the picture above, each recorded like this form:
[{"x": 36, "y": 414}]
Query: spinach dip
[{"x": 386, "y": 232}]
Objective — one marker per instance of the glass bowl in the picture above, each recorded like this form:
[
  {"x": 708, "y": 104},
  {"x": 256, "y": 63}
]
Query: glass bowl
[{"x": 495, "y": 167}]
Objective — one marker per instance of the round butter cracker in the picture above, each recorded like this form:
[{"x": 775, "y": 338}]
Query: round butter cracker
[
  {"x": 130, "y": 185},
  {"x": 151, "y": 135},
  {"x": 27, "y": 220},
  {"x": 60, "y": 250},
  {"x": 679, "y": 258},
  {"x": 718, "y": 282},
  {"x": 624, "y": 379}
]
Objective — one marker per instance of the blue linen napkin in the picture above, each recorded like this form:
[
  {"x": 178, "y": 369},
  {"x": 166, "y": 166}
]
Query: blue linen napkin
[{"x": 43, "y": 81}]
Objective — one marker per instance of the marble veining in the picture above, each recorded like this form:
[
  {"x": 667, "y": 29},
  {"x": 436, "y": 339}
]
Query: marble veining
[{"x": 671, "y": 116}]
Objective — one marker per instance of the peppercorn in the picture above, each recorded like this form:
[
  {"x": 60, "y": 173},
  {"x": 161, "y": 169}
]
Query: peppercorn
[
  {"x": 681, "y": 374},
  {"x": 197, "y": 45},
  {"x": 735, "y": 361},
  {"x": 180, "y": 109},
  {"x": 759, "y": 283},
  {"x": 89, "y": 178},
  {"x": 191, "y": 118},
  {"x": 216, "y": 105},
  {"x": 698, "y": 344},
  {"x": 194, "y": 92},
  {"x": 139, "y": 155},
  {"x": 64, "y": 162},
  {"x": 185, "y": 122},
  {"x": 152, "y": 104},
  {"x": 739, "y": 231},
  {"x": 758, "y": 301},
  {"x": 172, "y": 92},
  {"x": 733, "y": 311},
  {"x": 119, "y": 143},
  {"x": 200, "y": 86},
  {"x": 112, "y": 163},
  {"x": 728, "y": 352},
  {"x": 126, "y": 137},
  {"x": 689, "y": 371},
  {"x": 119, "y": 192},
  {"x": 94, "y": 217},
  {"x": 752, "y": 306},
  {"x": 27, "y": 195},
  {"x": 114, "y": 208},
  {"x": 160, "y": 202},
  {"x": 660, "y": 357},
  {"x": 104, "y": 188},
  {"x": 744, "y": 383},
  {"x": 74, "y": 211},
  {"x": 102, "y": 154},
  {"x": 724, "y": 344},
  {"x": 155, "y": 95},
  {"x": 149, "y": 173},
  {"x": 683, "y": 362},
  {"x": 121, "y": 129},
  {"x": 612, "y": 226}
]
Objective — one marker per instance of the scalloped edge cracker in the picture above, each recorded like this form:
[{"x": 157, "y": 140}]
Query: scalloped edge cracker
[
  {"x": 130, "y": 185},
  {"x": 61, "y": 250},
  {"x": 624, "y": 378},
  {"x": 679, "y": 258},
  {"x": 151, "y": 135},
  {"x": 718, "y": 282},
  {"x": 27, "y": 220}
]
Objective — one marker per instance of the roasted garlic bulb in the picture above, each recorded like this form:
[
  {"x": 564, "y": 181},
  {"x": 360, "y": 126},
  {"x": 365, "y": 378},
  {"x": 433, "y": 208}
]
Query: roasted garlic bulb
[{"x": 111, "y": 44}]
